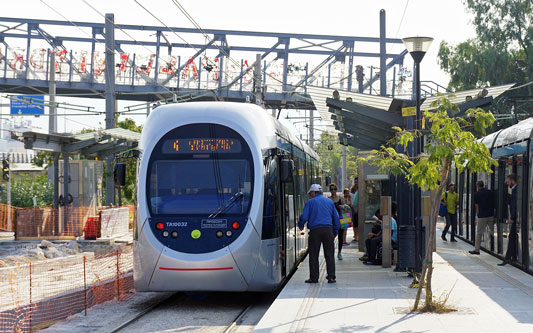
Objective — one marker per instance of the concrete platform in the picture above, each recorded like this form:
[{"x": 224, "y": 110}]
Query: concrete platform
[{"x": 489, "y": 298}]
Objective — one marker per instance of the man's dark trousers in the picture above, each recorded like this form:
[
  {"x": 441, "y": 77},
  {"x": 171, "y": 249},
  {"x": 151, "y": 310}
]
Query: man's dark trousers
[
  {"x": 324, "y": 236},
  {"x": 512, "y": 244}
]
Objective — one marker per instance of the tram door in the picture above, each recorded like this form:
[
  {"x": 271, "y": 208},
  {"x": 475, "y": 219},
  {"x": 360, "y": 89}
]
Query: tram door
[
  {"x": 289, "y": 227},
  {"x": 501, "y": 206},
  {"x": 518, "y": 165},
  {"x": 288, "y": 221}
]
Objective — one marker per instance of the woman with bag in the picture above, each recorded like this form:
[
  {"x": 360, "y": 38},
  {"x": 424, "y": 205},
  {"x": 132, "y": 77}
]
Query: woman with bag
[
  {"x": 348, "y": 208},
  {"x": 338, "y": 203}
]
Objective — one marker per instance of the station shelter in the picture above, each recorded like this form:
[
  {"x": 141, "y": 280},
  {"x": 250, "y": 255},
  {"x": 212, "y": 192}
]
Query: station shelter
[{"x": 365, "y": 122}]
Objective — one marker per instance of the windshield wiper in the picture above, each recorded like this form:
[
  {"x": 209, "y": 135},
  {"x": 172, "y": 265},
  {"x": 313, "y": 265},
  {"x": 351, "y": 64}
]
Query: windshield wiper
[{"x": 227, "y": 204}]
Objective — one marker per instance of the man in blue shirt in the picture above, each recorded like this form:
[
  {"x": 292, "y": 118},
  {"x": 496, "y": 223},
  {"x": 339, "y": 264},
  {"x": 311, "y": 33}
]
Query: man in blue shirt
[{"x": 323, "y": 222}]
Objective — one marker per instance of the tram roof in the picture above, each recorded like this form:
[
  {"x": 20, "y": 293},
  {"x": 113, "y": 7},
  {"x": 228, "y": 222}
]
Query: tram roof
[{"x": 516, "y": 133}]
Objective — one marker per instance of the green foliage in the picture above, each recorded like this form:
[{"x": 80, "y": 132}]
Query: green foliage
[
  {"x": 501, "y": 53},
  {"x": 448, "y": 139},
  {"x": 43, "y": 158},
  {"x": 24, "y": 187},
  {"x": 331, "y": 159},
  {"x": 128, "y": 191}
]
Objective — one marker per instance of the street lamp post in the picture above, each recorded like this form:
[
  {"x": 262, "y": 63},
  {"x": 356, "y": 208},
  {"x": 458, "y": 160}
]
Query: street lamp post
[{"x": 417, "y": 47}]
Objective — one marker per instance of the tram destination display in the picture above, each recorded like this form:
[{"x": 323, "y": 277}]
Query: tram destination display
[{"x": 201, "y": 145}]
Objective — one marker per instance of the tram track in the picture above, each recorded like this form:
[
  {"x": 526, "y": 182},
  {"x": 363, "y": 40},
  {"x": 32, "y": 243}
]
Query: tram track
[
  {"x": 142, "y": 314},
  {"x": 201, "y": 312}
]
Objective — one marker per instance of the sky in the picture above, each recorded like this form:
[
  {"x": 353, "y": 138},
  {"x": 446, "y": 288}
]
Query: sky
[{"x": 444, "y": 20}]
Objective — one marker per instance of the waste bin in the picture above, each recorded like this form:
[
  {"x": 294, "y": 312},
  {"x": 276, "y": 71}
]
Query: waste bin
[{"x": 407, "y": 246}]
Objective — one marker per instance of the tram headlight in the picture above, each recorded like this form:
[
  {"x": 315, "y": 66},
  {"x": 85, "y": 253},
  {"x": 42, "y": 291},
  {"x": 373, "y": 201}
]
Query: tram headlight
[
  {"x": 174, "y": 234},
  {"x": 165, "y": 234},
  {"x": 219, "y": 234},
  {"x": 229, "y": 233}
]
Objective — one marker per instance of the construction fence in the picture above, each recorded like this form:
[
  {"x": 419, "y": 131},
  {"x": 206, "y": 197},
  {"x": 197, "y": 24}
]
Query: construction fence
[
  {"x": 66, "y": 222},
  {"x": 36, "y": 295}
]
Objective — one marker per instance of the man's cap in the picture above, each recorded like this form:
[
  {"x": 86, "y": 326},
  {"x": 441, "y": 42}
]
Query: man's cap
[{"x": 315, "y": 188}]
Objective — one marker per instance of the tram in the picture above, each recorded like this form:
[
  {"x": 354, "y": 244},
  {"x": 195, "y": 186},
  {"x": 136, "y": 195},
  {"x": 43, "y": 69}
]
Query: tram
[
  {"x": 512, "y": 148},
  {"x": 219, "y": 188}
]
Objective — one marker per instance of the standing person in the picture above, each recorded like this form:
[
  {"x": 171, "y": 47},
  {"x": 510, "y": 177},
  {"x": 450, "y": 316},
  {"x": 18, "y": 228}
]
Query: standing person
[
  {"x": 337, "y": 201},
  {"x": 512, "y": 244},
  {"x": 355, "y": 203},
  {"x": 484, "y": 202},
  {"x": 450, "y": 199},
  {"x": 348, "y": 206},
  {"x": 323, "y": 222}
]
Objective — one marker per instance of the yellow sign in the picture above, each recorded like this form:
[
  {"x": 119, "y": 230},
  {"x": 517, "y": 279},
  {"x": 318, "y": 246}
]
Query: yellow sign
[
  {"x": 409, "y": 111},
  {"x": 299, "y": 172},
  {"x": 196, "y": 234}
]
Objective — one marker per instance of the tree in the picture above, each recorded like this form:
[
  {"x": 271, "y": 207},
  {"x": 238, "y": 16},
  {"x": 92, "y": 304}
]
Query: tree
[
  {"x": 329, "y": 150},
  {"x": 501, "y": 53},
  {"x": 449, "y": 141},
  {"x": 25, "y": 188},
  {"x": 128, "y": 190}
]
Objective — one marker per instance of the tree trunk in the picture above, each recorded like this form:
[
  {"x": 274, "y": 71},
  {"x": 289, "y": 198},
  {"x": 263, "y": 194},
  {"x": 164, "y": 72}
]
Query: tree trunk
[{"x": 427, "y": 266}]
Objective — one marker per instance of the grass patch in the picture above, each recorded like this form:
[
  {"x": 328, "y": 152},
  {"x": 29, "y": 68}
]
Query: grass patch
[{"x": 438, "y": 305}]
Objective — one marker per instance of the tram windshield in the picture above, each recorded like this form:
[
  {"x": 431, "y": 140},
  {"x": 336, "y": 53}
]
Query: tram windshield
[
  {"x": 200, "y": 169},
  {"x": 190, "y": 187}
]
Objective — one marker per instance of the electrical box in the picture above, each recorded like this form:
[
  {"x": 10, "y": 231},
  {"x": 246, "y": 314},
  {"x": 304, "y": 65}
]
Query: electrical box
[{"x": 84, "y": 182}]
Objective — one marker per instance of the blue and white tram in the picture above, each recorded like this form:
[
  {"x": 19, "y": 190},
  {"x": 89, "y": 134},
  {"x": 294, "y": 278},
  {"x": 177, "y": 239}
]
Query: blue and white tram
[
  {"x": 512, "y": 148},
  {"x": 219, "y": 188}
]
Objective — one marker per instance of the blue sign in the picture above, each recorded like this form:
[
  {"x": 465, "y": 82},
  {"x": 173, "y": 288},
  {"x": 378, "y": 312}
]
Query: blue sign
[{"x": 27, "y": 104}]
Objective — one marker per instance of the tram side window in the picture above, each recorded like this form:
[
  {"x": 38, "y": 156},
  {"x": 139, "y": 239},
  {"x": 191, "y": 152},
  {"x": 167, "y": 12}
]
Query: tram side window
[{"x": 271, "y": 218}]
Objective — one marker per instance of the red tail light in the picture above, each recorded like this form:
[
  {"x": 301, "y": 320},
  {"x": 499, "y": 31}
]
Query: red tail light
[
  {"x": 235, "y": 225},
  {"x": 159, "y": 226}
]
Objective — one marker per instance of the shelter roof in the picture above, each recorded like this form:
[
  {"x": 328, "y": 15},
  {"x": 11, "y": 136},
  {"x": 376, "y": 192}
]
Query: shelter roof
[
  {"x": 366, "y": 121},
  {"x": 99, "y": 143}
]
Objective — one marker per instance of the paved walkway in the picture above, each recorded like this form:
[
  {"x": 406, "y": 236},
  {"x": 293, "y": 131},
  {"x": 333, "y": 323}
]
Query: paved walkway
[{"x": 365, "y": 298}]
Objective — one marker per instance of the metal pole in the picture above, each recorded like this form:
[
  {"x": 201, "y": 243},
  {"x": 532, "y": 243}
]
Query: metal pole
[
  {"x": 31, "y": 312},
  {"x": 257, "y": 79},
  {"x": 52, "y": 120},
  {"x": 417, "y": 193},
  {"x": 311, "y": 127},
  {"x": 382, "y": 55},
  {"x": 66, "y": 170},
  {"x": 85, "y": 283},
  {"x": 56, "y": 179},
  {"x": 344, "y": 177},
  {"x": 9, "y": 217},
  {"x": 118, "y": 278},
  {"x": 110, "y": 102}
]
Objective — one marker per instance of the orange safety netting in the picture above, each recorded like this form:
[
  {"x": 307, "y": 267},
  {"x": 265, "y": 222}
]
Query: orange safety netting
[
  {"x": 36, "y": 295},
  {"x": 50, "y": 222},
  {"x": 4, "y": 218}
]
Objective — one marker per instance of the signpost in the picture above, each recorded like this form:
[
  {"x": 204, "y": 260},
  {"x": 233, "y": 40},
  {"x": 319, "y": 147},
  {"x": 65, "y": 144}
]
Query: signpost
[{"x": 30, "y": 105}]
